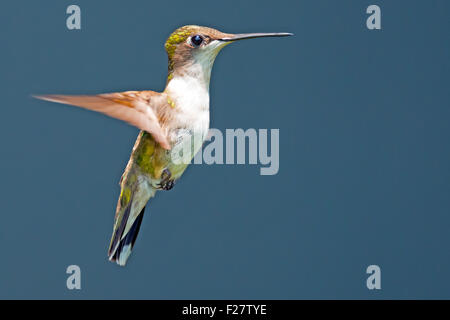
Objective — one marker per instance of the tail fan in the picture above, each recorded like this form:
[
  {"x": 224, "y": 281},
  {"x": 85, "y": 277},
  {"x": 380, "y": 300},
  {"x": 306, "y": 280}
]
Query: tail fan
[
  {"x": 123, "y": 248},
  {"x": 129, "y": 214}
]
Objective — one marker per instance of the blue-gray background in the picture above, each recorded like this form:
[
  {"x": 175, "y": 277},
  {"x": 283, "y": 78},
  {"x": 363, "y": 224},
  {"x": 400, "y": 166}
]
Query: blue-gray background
[{"x": 364, "y": 155}]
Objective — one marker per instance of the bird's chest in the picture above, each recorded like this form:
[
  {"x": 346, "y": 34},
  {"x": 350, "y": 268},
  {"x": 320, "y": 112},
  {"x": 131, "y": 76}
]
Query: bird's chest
[
  {"x": 191, "y": 131},
  {"x": 190, "y": 107}
]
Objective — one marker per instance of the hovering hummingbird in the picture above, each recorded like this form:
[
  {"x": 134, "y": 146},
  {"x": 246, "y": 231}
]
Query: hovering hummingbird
[{"x": 166, "y": 119}]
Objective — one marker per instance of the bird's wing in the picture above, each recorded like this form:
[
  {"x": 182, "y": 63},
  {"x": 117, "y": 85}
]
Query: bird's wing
[{"x": 130, "y": 106}]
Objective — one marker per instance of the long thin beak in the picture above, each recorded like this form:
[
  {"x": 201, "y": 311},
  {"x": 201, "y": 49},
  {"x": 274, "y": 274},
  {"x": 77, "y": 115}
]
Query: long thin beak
[{"x": 242, "y": 36}]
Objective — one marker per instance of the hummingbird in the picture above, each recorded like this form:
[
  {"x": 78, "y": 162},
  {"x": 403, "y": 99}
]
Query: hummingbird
[{"x": 167, "y": 119}]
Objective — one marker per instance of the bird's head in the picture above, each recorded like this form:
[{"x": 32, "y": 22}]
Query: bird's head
[{"x": 193, "y": 49}]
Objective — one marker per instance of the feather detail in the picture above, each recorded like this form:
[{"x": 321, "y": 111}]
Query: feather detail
[{"x": 127, "y": 106}]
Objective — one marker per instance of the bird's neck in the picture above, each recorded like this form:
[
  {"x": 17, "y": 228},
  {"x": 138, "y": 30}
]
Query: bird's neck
[
  {"x": 190, "y": 81},
  {"x": 192, "y": 71},
  {"x": 196, "y": 67},
  {"x": 188, "y": 88}
]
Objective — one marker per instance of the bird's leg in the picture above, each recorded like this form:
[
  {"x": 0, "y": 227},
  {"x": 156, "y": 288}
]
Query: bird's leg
[{"x": 166, "y": 183}]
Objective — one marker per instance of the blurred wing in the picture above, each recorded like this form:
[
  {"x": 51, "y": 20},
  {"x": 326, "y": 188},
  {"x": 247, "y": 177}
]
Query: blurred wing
[{"x": 130, "y": 106}]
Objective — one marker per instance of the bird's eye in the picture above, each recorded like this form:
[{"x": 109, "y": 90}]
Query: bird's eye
[{"x": 197, "y": 40}]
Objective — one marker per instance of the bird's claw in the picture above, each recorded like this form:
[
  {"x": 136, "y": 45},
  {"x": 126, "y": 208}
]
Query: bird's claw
[{"x": 166, "y": 183}]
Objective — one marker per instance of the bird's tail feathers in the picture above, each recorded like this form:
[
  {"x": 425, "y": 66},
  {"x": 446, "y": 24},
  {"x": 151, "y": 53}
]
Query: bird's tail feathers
[{"x": 129, "y": 214}]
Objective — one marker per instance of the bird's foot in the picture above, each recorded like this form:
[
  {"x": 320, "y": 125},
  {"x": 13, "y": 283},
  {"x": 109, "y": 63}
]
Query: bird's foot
[{"x": 166, "y": 183}]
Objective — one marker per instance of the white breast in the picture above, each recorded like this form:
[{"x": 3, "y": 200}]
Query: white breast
[{"x": 190, "y": 97}]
